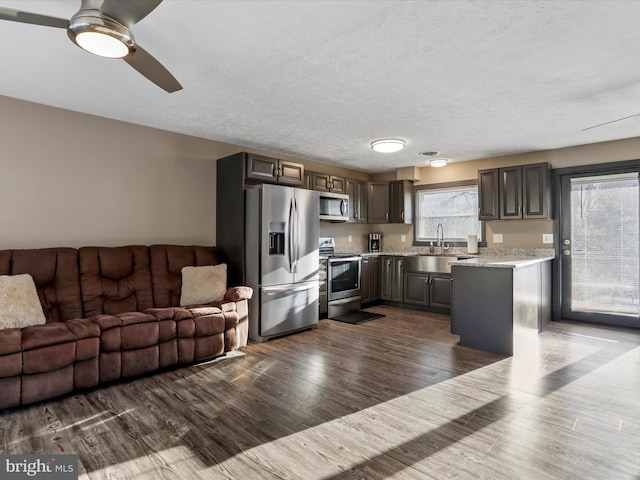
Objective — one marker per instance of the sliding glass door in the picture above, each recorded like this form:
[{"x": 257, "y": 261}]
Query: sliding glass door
[{"x": 600, "y": 247}]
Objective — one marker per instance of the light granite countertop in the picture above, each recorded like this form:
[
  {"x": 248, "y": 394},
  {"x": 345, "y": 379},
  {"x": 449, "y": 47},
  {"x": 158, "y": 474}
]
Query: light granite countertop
[
  {"x": 501, "y": 261},
  {"x": 494, "y": 258}
]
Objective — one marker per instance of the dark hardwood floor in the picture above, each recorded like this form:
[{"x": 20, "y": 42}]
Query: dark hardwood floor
[{"x": 392, "y": 398}]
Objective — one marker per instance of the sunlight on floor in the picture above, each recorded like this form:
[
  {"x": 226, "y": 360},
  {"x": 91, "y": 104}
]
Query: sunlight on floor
[
  {"x": 453, "y": 420},
  {"x": 173, "y": 462},
  {"x": 375, "y": 431}
]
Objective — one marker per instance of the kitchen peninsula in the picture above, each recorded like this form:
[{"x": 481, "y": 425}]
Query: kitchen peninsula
[{"x": 500, "y": 303}]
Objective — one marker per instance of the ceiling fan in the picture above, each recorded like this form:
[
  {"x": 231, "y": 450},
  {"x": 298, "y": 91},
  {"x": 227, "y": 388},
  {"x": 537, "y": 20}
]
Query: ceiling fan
[
  {"x": 611, "y": 121},
  {"x": 103, "y": 27}
]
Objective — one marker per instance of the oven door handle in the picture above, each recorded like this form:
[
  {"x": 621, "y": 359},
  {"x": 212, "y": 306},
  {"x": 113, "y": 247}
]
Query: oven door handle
[{"x": 344, "y": 259}]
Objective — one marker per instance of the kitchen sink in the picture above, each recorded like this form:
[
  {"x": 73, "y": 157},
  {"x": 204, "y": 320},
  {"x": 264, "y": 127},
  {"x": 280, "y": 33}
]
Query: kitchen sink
[{"x": 429, "y": 263}]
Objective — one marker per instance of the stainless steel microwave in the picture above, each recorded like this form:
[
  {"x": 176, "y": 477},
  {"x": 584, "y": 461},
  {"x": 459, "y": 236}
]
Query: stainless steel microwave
[{"x": 334, "y": 207}]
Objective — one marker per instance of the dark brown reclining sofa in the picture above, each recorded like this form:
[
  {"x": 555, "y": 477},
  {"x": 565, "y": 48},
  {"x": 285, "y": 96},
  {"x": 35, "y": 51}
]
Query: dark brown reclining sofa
[{"x": 111, "y": 313}]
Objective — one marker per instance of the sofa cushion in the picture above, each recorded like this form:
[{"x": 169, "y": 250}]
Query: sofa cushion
[
  {"x": 170, "y": 313},
  {"x": 19, "y": 300},
  {"x": 127, "y": 331},
  {"x": 5, "y": 262},
  {"x": 10, "y": 341},
  {"x": 56, "y": 275},
  {"x": 166, "y": 269},
  {"x": 202, "y": 285},
  {"x": 45, "y": 335},
  {"x": 115, "y": 279}
]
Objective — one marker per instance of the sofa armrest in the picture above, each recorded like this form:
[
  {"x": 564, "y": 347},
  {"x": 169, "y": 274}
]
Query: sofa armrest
[{"x": 235, "y": 294}]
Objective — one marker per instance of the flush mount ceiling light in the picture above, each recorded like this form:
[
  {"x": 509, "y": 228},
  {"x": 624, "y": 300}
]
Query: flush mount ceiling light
[
  {"x": 438, "y": 162},
  {"x": 388, "y": 145},
  {"x": 96, "y": 33}
]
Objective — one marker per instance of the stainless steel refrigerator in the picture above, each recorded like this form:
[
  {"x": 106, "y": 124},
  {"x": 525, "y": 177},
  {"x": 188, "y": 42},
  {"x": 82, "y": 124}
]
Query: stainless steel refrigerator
[{"x": 281, "y": 259}]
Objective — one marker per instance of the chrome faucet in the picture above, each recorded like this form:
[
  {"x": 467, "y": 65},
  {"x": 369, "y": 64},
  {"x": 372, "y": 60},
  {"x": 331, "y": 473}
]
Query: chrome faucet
[{"x": 440, "y": 238}]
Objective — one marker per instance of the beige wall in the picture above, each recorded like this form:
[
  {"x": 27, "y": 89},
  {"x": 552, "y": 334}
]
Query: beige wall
[
  {"x": 528, "y": 233},
  {"x": 70, "y": 179}
]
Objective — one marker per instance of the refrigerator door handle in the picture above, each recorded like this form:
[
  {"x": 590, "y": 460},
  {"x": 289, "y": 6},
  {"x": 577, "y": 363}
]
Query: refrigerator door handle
[
  {"x": 297, "y": 236},
  {"x": 290, "y": 236},
  {"x": 287, "y": 289}
]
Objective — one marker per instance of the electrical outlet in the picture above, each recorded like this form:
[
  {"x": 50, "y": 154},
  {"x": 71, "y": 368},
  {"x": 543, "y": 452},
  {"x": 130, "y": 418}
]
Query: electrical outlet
[
  {"x": 497, "y": 238},
  {"x": 547, "y": 238},
  {"x": 350, "y": 238},
  {"x": 403, "y": 238}
]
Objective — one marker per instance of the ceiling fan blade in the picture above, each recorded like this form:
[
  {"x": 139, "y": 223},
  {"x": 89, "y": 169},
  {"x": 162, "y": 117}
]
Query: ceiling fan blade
[
  {"x": 128, "y": 12},
  {"x": 612, "y": 121},
  {"x": 32, "y": 18},
  {"x": 151, "y": 68}
]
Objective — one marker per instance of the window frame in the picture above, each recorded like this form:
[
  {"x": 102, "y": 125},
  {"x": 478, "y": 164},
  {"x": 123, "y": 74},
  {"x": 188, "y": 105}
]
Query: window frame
[{"x": 440, "y": 186}]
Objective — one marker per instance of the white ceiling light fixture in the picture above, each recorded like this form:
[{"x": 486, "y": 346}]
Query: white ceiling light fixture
[
  {"x": 98, "y": 34},
  {"x": 438, "y": 162},
  {"x": 388, "y": 145}
]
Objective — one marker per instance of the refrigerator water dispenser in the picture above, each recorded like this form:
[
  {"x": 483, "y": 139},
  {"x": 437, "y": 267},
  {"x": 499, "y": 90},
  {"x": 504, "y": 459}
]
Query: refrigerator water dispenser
[{"x": 276, "y": 238}]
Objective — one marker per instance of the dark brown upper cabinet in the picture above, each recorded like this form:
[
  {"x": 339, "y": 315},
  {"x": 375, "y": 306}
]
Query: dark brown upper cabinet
[
  {"x": 400, "y": 202},
  {"x": 357, "y": 191},
  {"x": 323, "y": 182},
  {"x": 514, "y": 193},
  {"x": 273, "y": 170},
  {"x": 390, "y": 202},
  {"x": 511, "y": 193},
  {"x": 378, "y": 202},
  {"x": 489, "y": 194},
  {"x": 536, "y": 190}
]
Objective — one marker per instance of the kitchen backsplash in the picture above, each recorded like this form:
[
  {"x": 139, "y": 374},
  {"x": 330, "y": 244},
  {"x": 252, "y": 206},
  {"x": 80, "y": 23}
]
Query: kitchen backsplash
[{"x": 517, "y": 236}]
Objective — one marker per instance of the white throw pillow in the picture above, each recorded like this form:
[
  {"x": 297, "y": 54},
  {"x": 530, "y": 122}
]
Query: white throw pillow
[
  {"x": 202, "y": 285},
  {"x": 19, "y": 302}
]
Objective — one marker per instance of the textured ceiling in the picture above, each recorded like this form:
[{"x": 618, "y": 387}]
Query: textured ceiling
[{"x": 320, "y": 80}]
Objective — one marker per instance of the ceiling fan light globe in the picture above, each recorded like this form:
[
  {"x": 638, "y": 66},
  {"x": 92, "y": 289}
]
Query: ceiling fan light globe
[
  {"x": 102, "y": 44},
  {"x": 101, "y": 35}
]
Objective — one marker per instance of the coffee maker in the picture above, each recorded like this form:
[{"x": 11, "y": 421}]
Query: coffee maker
[{"x": 375, "y": 242}]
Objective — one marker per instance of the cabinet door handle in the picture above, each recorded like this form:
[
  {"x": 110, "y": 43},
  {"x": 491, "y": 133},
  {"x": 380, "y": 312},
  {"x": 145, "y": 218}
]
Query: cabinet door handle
[{"x": 402, "y": 215}]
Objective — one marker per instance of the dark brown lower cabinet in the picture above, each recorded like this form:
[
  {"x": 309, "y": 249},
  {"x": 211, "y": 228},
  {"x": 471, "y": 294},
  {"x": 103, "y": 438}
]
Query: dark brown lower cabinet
[
  {"x": 427, "y": 289},
  {"x": 370, "y": 279},
  {"x": 392, "y": 279}
]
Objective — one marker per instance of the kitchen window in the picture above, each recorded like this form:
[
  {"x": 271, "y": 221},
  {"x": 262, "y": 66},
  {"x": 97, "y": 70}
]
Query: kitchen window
[{"x": 454, "y": 205}]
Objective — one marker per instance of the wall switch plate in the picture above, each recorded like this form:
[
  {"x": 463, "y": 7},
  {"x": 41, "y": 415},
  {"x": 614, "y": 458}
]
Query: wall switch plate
[
  {"x": 497, "y": 238},
  {"x": 350, "y": 238},
  {"x": 547, "y": 238},
  {"x": 403, "y": 238}
]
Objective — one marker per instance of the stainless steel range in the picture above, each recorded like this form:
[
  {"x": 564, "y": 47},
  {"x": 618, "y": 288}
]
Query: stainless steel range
[{"x": 343, "y": 279}]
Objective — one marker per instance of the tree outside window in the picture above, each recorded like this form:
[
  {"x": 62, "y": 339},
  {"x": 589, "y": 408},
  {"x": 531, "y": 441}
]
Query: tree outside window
[{"x": 456, "y": 208}]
